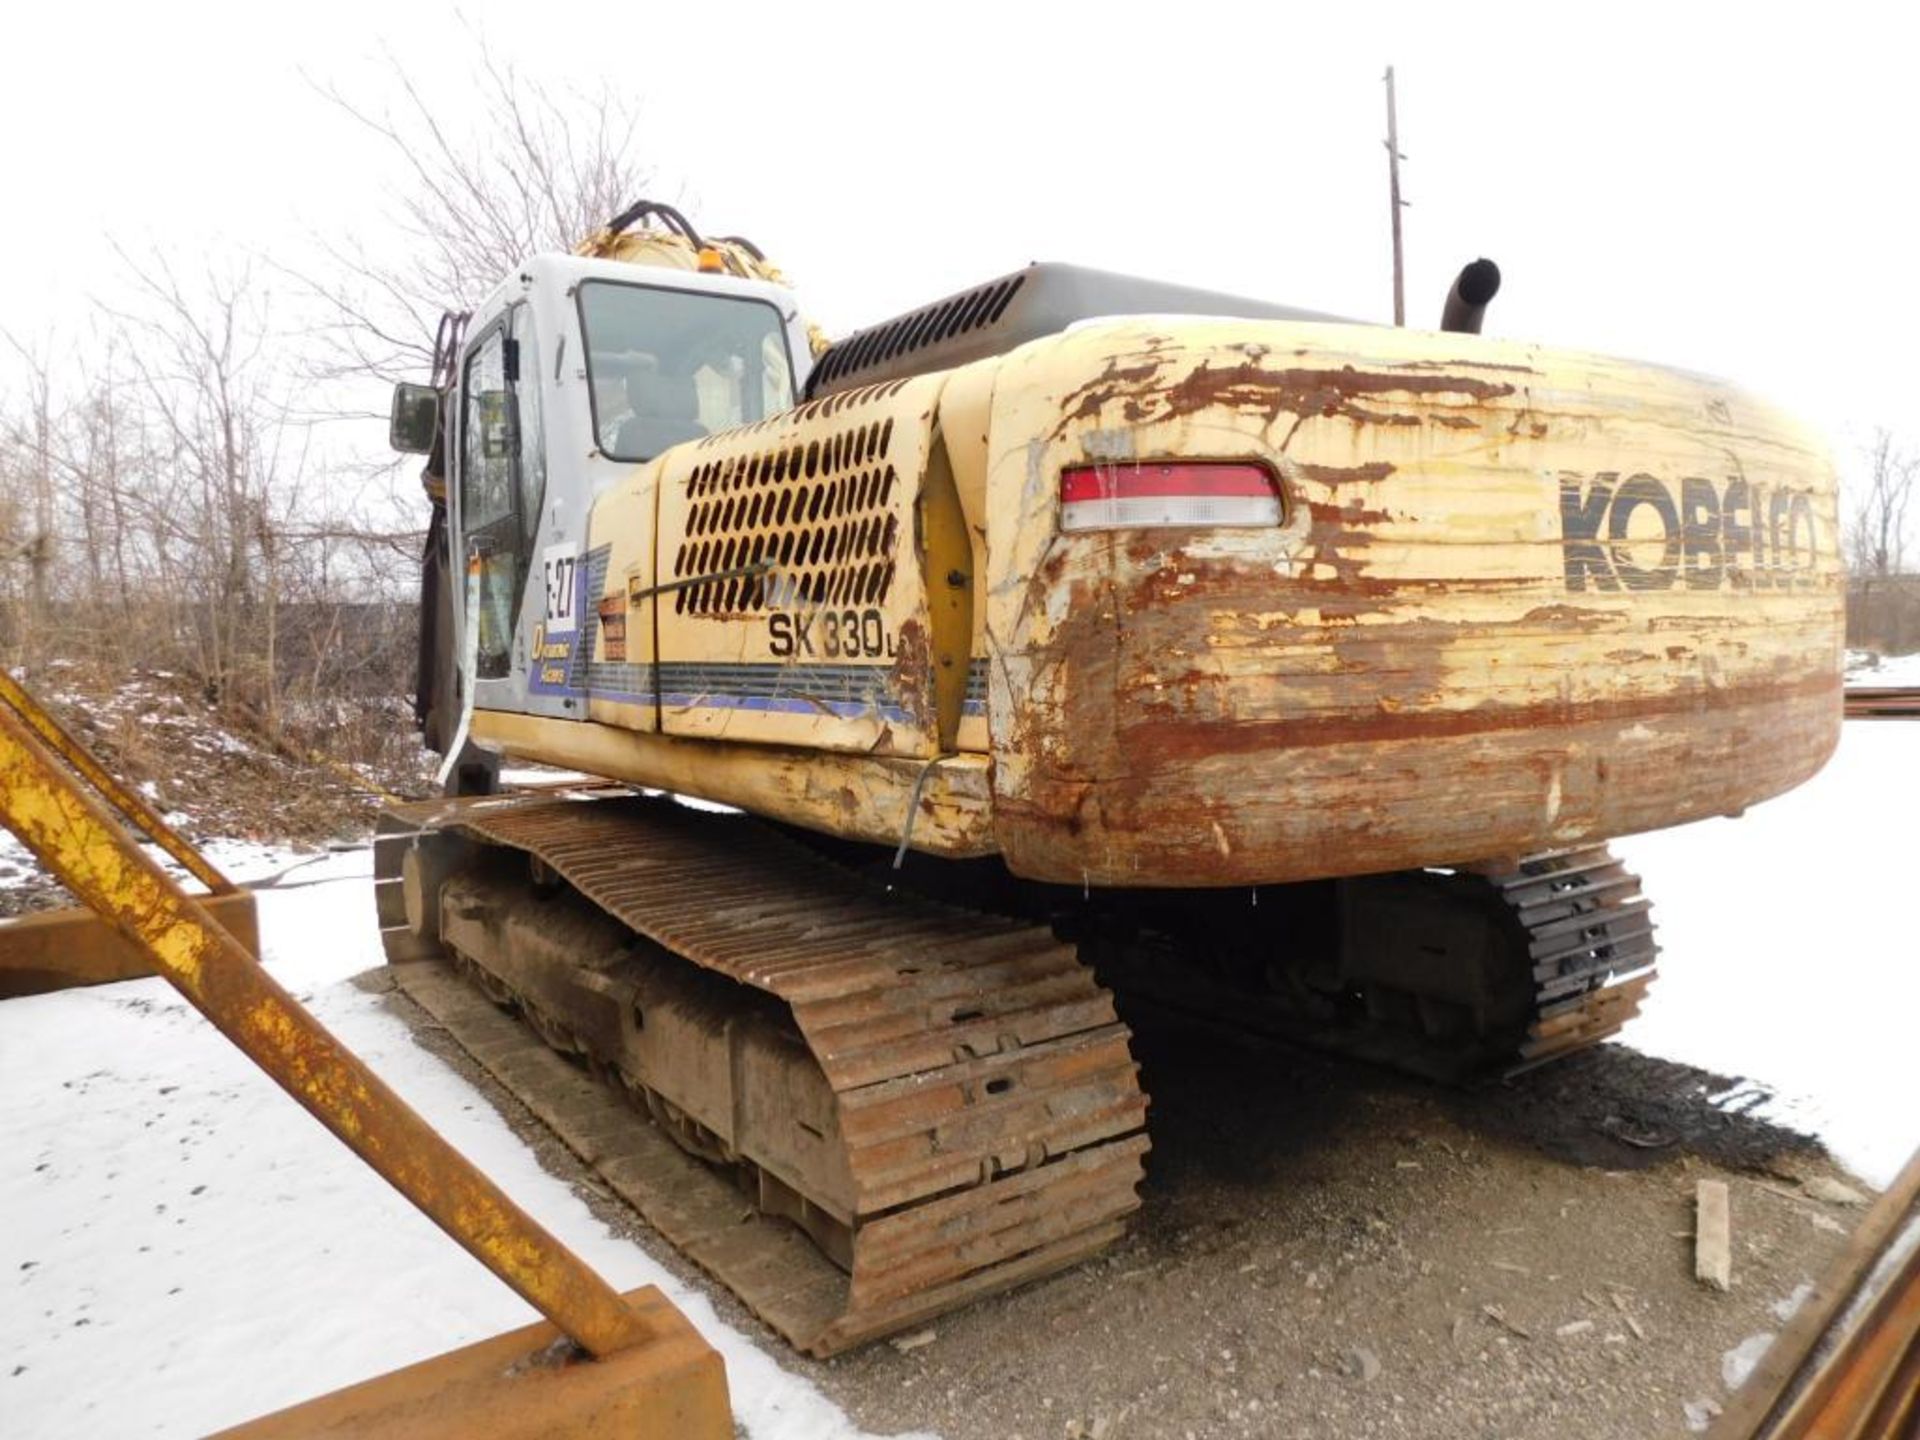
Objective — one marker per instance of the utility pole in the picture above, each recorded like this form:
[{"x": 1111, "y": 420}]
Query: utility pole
[{"x": 1393, "y": 185}]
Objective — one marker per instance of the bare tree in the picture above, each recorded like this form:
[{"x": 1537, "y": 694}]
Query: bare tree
[
  {"x": 1877, "y": 526},
  {"x": 198, "y": 354},
  {"x": 29, "y": 533},
  {"x": 548, "y": 169},
  {"x": 169, "y": 497}
]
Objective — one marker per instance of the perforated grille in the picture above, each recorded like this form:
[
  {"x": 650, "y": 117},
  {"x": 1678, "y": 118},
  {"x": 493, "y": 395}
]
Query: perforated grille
[
  {"x": 917, "y": 329},
  {"x": 812, "y": 522}
]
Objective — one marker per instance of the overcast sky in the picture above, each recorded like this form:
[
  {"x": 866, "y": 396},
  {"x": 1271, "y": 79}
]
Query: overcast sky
[{"x": 1727, "y": 188}]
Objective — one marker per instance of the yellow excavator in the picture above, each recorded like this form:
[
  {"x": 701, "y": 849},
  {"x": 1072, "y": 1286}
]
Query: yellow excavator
[{"x": 1072, "y": 634}]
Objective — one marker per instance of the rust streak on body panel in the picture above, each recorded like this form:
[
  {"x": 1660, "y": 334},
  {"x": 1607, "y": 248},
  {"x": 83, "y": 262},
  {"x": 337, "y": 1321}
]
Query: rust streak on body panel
[
  {"x": 1367, "y": 805},
  {"x": 1369, "y": 472},
  {"x": 1505, "y": 575},
  {"x": 1251, "y": 387}
]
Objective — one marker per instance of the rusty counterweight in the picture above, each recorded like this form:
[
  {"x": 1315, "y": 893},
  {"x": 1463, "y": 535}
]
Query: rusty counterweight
[{"x": 79, "y": 842}]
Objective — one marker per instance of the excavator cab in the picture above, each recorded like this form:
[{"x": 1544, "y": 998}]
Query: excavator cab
[{"x": 638, "y": 359}]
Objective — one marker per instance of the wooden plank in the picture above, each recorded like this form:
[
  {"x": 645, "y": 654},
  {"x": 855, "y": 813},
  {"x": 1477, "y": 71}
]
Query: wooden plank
[{"x": 1713, "y": 1235}]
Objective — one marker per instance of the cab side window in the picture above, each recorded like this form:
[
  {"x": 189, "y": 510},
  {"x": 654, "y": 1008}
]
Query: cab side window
[
  {"x": 503, "y": 477},
  {"x": 489, "y": 518},
  {"x": 530, "y": 484}
]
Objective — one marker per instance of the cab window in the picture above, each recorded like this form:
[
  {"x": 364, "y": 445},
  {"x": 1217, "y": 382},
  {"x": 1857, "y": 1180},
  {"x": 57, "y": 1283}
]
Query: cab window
[{"x": 668, "y": 366}]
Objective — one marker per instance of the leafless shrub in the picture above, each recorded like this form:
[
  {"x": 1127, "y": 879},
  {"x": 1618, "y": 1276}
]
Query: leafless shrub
[
  {"x": 174, "y": 494},
  {"x": 158, "y": 509},
  {"x": 550, "y": 167},
  {"x": 1877, "y": 519}
]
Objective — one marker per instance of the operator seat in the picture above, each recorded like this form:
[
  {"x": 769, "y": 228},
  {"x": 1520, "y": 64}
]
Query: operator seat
[{"x": 666, "y": 411}]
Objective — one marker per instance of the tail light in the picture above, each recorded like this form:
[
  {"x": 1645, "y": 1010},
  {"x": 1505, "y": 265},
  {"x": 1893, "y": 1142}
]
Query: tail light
[{"x": 1173, "y": 492}]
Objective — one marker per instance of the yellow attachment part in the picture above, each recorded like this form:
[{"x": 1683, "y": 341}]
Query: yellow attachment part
[
  {"x": 79, "y": 842},
  {"x": 126, "y": 801},
  {"x": 641, "y": 246}
]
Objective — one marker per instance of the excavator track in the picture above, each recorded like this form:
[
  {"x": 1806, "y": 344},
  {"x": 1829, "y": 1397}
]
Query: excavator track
[
  {"x": 1590, "y": 948},
  {"x": 1458, "y": 977},
  {"x": 945, "y": 1102}
]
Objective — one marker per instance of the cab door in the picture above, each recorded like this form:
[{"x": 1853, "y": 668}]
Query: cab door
[{"x": 502, "y": 482}]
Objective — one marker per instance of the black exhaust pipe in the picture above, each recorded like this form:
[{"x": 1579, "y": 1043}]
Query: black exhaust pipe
[{"x": 1467, "y": 302}]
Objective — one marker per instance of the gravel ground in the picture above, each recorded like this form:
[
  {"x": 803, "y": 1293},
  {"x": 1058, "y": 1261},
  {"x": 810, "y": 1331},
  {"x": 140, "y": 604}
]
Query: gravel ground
[{"x": 1325, "y": 1249}]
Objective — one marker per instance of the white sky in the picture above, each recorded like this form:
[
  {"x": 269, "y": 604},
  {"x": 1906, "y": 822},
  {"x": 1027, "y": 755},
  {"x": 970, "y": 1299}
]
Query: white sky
[{"x": 1724, "y": 188}]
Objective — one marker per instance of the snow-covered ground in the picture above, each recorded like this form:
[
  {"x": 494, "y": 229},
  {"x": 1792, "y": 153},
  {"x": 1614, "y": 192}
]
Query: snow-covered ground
[
  {"x": 1791, "y": 957},
  {"x": 1867, "y": 669},
  {"x": 183, "y": 1247}
]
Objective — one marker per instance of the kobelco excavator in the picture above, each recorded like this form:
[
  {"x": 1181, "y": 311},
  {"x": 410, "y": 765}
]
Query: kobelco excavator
[{"x": 1071, "y": 632}]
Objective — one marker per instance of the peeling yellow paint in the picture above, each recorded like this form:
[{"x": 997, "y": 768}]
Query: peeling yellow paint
[{"x": 1490, "y": 554}]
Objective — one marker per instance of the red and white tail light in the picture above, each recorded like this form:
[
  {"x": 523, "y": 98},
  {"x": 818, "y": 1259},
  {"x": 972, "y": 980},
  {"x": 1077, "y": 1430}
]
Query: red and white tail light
[{"x": 1168, "y": 492}]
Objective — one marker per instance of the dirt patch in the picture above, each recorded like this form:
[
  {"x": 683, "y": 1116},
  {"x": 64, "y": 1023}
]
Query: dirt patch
[
  {"x": 1325, "y": 1249},
  {"x": 1617, "y": 1108}
]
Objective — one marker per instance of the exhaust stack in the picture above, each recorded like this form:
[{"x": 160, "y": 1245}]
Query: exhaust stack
[{"x": 1467, "y": 302}]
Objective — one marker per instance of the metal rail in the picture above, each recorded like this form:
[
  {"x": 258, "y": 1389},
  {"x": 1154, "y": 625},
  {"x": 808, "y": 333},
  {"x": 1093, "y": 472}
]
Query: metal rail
[
  {"x": 93, "y": 856},
  {"x": 1847, "y": 1366},
  {"x": 1883, "y": 702}
]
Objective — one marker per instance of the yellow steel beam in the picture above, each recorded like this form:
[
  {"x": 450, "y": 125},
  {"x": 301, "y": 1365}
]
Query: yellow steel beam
[
  {"x": 76, "y": 839},
  {"x": 128, "y": 802}
]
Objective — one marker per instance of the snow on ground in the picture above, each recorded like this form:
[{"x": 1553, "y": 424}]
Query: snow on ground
[
  {"x": 542, "y": 775},
  {"x": 1866, "y": 669},
  {"x": 1791, "y": 954},
  {"x": 246, "y": 862},
  {"x": 185, "y": 1248}
]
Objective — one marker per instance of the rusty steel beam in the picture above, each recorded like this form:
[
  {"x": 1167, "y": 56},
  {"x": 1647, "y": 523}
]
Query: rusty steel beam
[
  {"x": 1865, "y": 1390},
  {"x": 511, "y": 1387},
  {"x": 1847, "y": 1366},
  {"x": 80, "y": 843},
  {"x": 53, "y": 950},
  {"x": 1883, "y": 702},
  {"x": 128, "y": 802}
]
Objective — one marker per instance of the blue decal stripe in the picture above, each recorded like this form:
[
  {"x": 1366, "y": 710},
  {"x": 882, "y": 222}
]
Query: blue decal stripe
[{"x": 844, "y": 691}]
